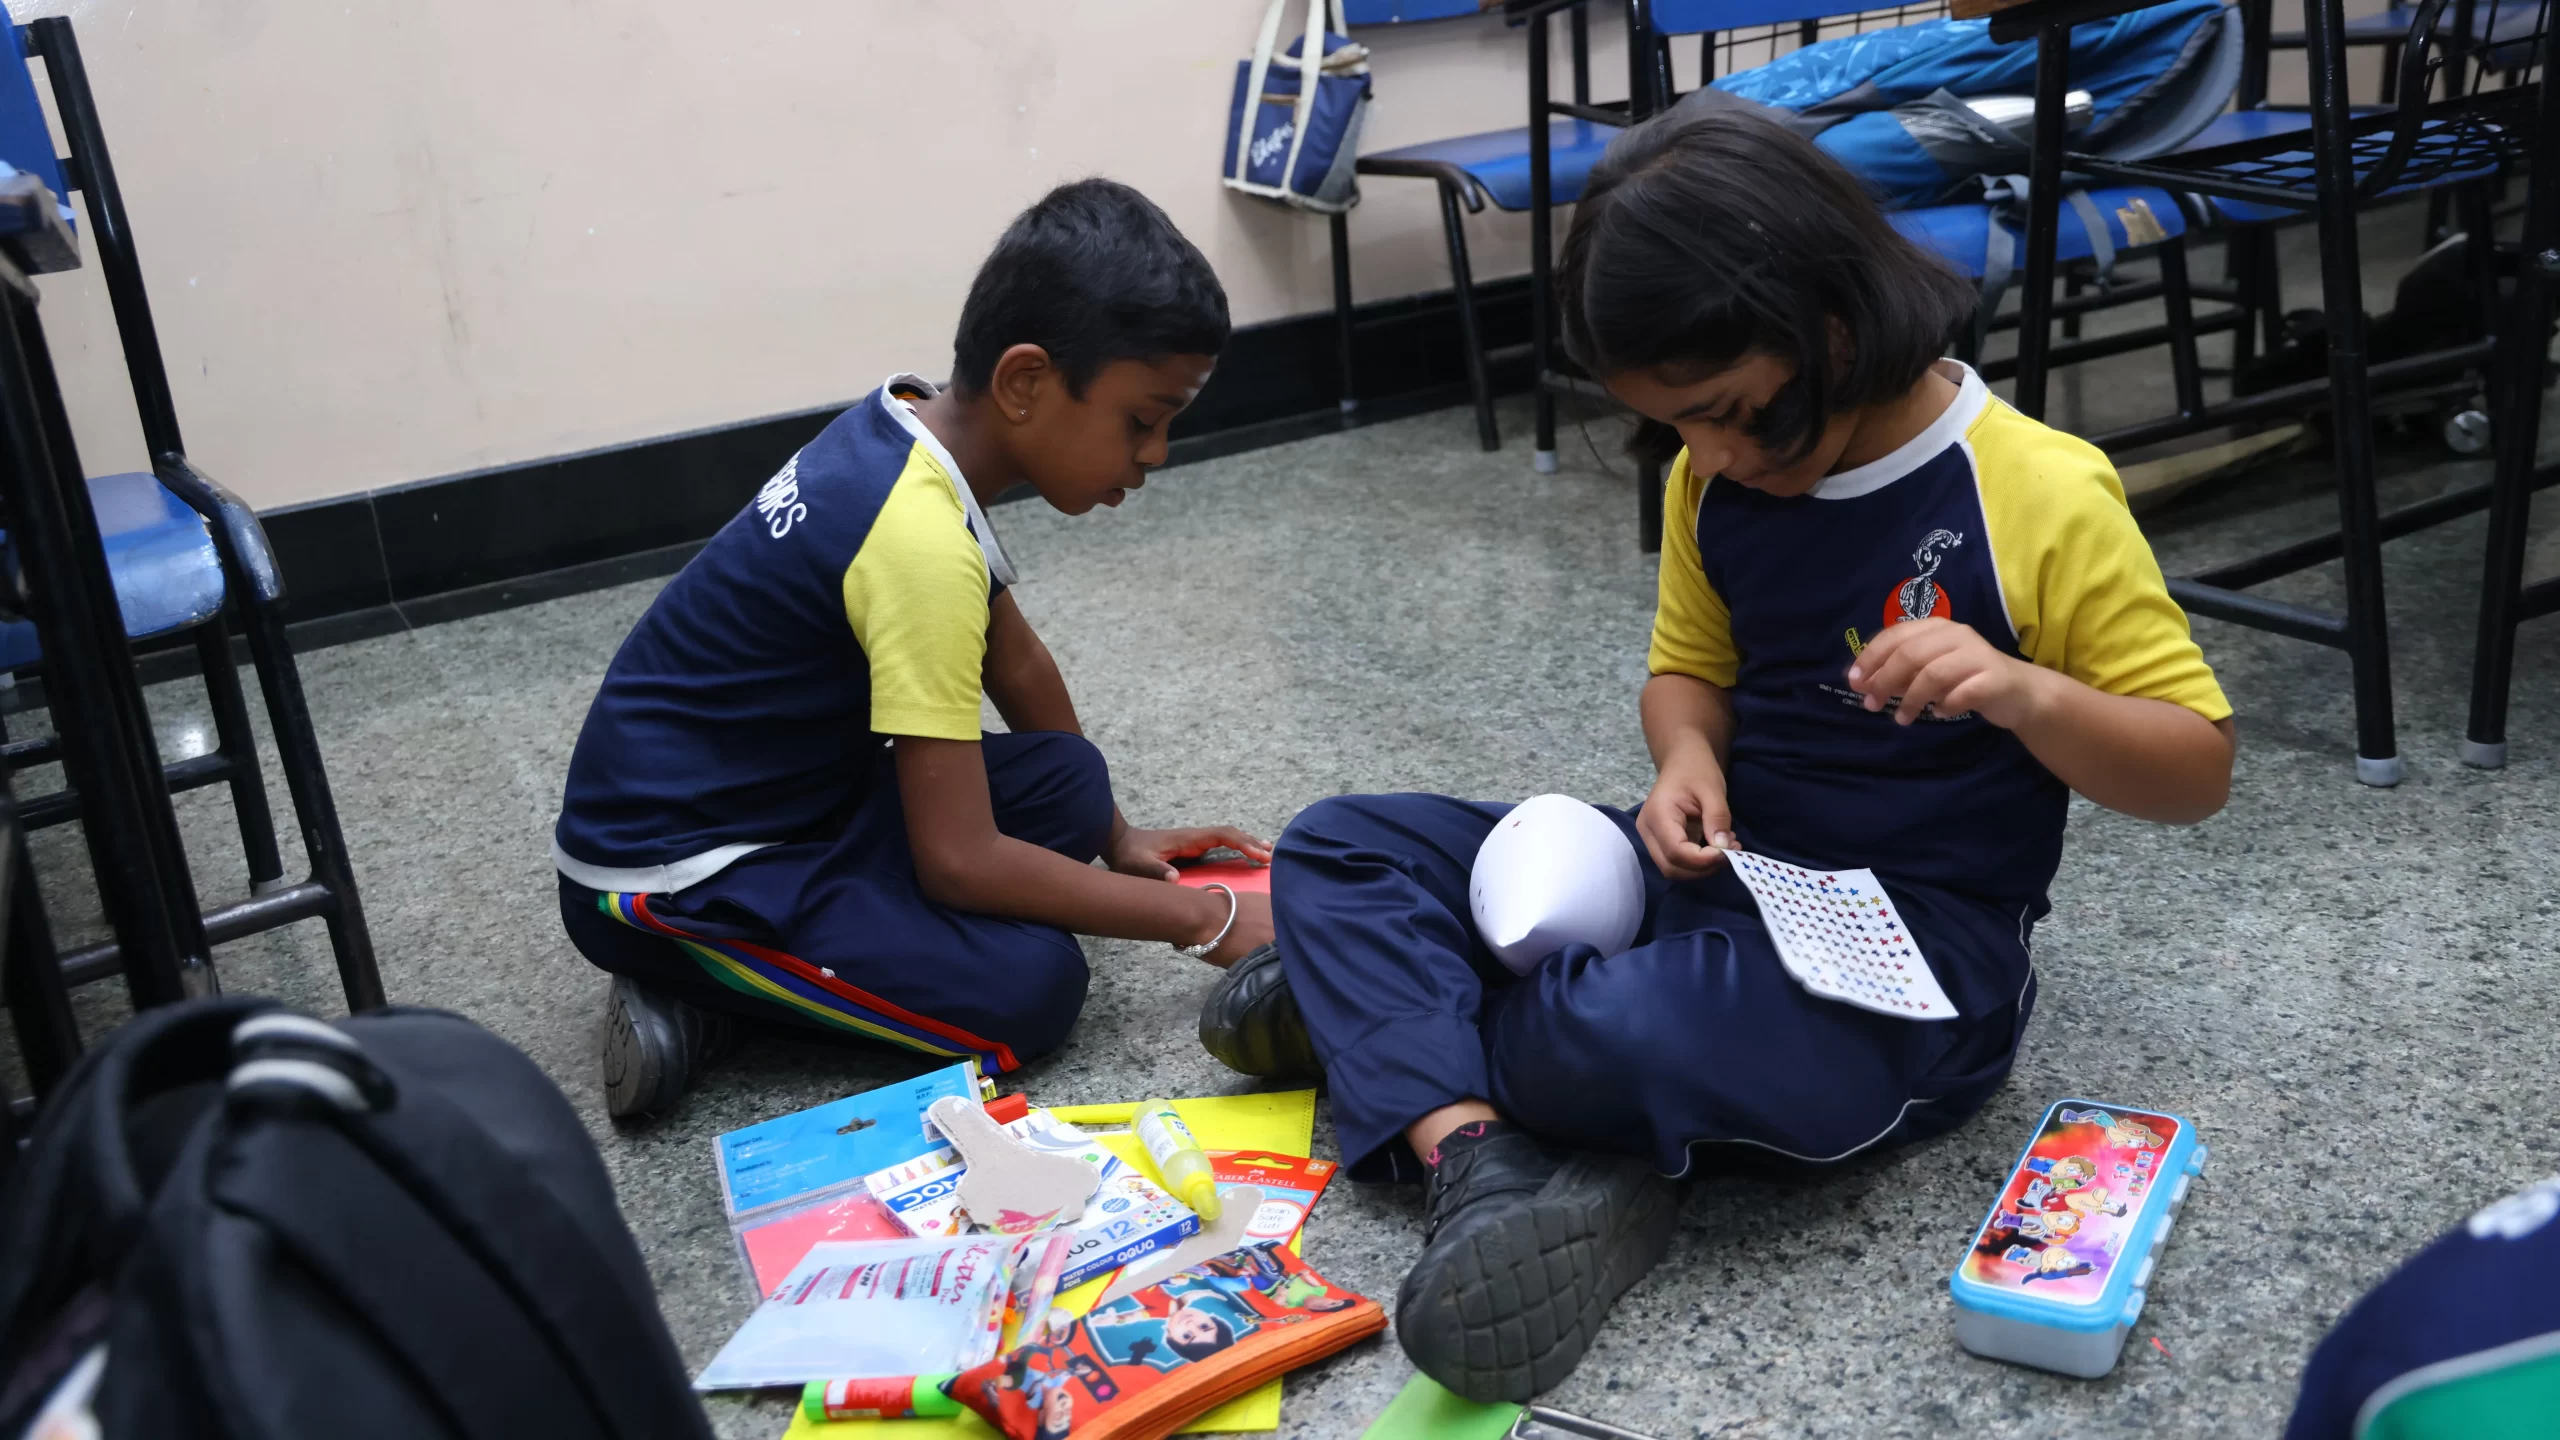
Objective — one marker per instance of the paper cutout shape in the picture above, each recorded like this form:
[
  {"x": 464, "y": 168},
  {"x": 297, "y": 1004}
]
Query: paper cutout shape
[
  {"x": 1240, "y": 1202},
  {"x": 1555, "y": 872},
  {"x": 1009, "y": 1187}
]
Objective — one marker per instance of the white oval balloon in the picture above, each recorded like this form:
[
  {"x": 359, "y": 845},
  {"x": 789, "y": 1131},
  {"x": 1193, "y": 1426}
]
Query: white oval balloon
[{"x": 1555, "y": 872}]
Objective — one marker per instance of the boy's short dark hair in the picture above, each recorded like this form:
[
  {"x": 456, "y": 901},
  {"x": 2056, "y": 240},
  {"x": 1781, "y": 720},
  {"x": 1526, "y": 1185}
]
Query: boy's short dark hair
[
  {"x": 1705, "y": 237},
  {"x": 1093, "y": 272}
]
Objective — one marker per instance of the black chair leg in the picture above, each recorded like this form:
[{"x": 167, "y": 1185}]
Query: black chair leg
[
  {"x": 2240, "y": 269},
  {"x": 2476, "y": 206},
  {"x": 238, "y": 744},
  {"x": 2072, "y": 284},
  {"x": 2367, "y": 632},
  {"x": 1462, "y": 281},
  {"x": 39, "y": 999},
  {"x": 298, "y": 749},
  {"x": 2523, "y": 340},
  {"x": 1347, "y": 395},
  {"x": 2185, "y": 371},
  {"x": 2270, "y": 287}
]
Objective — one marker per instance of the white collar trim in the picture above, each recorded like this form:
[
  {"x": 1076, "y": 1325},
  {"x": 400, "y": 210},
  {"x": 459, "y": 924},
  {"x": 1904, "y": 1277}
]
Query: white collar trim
[
  {"x": 997, "y": 565},
  {"x": 1950, "y": 426}
]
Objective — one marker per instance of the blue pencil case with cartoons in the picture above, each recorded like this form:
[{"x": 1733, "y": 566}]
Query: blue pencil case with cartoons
[{"x": 2059, "y": 1270}]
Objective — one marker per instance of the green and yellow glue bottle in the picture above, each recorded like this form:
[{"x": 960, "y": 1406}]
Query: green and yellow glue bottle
[{"x": 1179, "y": 1160}]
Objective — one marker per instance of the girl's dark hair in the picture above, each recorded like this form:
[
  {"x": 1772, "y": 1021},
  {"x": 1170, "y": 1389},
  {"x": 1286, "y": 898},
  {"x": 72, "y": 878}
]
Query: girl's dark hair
[
  {"x": 1093, "y": 272},
  {"x": 1705, "y": 237}
]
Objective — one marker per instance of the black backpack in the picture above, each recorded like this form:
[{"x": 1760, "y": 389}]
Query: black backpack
[{"x": 391, "y": 1225}]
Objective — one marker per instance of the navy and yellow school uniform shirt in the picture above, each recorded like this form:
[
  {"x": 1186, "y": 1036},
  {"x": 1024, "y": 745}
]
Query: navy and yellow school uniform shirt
[
  {"x": 846, "y": 603},
  {"x": 1987, "y": 518}
]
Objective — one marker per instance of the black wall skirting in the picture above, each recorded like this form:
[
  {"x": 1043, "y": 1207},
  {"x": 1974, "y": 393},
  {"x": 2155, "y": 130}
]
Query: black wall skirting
[{"x": 466, "y": 544}]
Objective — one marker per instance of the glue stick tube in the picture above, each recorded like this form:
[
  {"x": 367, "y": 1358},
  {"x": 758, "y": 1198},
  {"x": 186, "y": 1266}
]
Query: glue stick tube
[
  {"x": 903, "y": 1398},
  {"x": 1180, "y": 1162}
]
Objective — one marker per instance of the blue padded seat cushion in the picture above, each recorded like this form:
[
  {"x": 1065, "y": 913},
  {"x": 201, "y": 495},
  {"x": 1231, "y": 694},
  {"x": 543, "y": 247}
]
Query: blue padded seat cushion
[
  {"x": 1961, "y": 234},
  {"x": 167, "y": 573},
  {"x": 1498, "y": 160}
]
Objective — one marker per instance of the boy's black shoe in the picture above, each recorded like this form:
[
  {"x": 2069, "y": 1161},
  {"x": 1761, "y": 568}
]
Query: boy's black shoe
[
  {"x": 1250, "y": 1022},
  {"x": 653, "y": 1045},
  {"x": 1524, "y": 1255}
]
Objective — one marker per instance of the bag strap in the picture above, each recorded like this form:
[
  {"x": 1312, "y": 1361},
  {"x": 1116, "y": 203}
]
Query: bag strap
[
  {"x": 2007, "y": 196},
  {"x": 77, "y": 1197},
  {"x": 1310, "y": 70},
  {"x": 1254, "y": 79}
]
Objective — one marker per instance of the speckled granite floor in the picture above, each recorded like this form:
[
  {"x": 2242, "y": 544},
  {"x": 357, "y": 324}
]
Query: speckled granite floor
[{"x": 2346, "y": 988}]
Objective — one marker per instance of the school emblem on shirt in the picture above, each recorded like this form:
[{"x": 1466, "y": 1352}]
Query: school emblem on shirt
[
  {"x": 779, "y": 501},
  {"x": 1921, "y": 597}
]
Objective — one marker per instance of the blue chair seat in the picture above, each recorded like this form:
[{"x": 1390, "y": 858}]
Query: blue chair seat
[
  {"x": 167, "y": 574},
  {"x": 1496, "y": 162},
  {"x": 1961, "y": 234},
  {"x": 2293, "y": 167},
  {"x": 2233, "y": 126}
]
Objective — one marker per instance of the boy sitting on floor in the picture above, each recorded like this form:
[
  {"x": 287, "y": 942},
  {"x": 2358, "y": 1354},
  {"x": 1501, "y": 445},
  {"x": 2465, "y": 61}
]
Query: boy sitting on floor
[
  {"x": 1898, "y": 624},
  {"x": 781, "y": 806}
]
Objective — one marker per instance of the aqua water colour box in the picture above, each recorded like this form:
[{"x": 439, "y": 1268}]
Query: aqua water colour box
[{"x": 2058, "y": 1272}]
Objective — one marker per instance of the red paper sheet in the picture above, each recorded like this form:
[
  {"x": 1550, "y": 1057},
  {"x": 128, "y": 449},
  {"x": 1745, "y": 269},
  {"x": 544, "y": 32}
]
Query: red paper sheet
[
  {"x": 777, "y": 1245},
  {"x": 1245, "y": 877}
]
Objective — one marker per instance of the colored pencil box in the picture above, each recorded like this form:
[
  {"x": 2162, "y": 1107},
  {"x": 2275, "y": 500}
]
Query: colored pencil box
[
  {"x": 2058, "y": 1272},
  {"x": 1141, "y": 1366}
]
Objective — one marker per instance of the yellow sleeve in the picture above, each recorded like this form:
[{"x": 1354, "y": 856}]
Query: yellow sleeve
[
  {"x": 916, "y": 595},
  {"x": 2084, "y": 593},
  {"x": 1692, "y": 629}
]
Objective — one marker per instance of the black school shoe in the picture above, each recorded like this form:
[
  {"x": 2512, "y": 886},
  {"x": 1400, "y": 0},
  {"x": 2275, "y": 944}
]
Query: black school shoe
[
  {"x": 1523, "y": 1256},
  {"x": 1251, "y": 1024},
  {"x": 654, "y": 1045}
]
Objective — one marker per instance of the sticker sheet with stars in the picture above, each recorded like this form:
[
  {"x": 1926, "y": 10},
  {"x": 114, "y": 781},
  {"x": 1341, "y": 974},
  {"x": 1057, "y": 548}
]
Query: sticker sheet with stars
[{"x": 1840, "y": 937}]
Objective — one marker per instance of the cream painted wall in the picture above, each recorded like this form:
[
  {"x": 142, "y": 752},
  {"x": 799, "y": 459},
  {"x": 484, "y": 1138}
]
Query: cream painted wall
[{"x": 394, "y": 239}]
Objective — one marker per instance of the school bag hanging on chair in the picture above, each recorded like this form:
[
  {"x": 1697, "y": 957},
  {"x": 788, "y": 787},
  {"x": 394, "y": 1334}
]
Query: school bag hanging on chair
[
  {"x": 1292, "y": 141},
  {"x": 235, "y": 1221},
  {"x": 1889, "y": 104}
]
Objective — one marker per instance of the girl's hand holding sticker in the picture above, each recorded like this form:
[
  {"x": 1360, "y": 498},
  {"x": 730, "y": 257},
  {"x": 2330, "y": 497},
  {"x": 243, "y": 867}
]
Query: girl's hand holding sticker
[
  {"x": 1685, "y": 821},
  {"x": 1919, "y": 664}
]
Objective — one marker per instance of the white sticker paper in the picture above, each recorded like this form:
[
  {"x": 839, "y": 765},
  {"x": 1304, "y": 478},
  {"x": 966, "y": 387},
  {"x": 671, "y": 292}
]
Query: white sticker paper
[{"x": 1840, "y": 937}]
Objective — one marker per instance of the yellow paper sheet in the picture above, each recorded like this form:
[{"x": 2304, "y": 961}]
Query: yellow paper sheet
[{"x": 1283, "y": 1122}]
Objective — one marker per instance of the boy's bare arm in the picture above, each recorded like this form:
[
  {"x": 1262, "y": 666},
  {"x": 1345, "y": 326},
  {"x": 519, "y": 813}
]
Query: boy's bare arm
[
  {"x": 1688, "y": 725},
  {"x": 963, "y": 861},
  {"x": 2147, "y": 758},
  {"x": 1022, "y": 676}
]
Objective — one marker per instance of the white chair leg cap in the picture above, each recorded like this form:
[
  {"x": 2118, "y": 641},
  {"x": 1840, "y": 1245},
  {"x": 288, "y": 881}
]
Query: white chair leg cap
[
  {"x": 2485, "y": 757},
  {"x": 1544, "y": 462},
  {"x": 2384, "y": 772}
]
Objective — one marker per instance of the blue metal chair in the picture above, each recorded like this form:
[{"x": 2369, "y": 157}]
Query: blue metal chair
[
  {"x": 2131, "y": 219},
  {"x": 2507, "y": 30},
  {"x": 185, "y": 555},
  {"x": 1982, "y": 243},
  {"x": 1471, "y": 171}
]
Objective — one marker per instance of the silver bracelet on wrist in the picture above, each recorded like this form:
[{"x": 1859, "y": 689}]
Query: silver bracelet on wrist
[{"x": 1201, "y": 950}]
